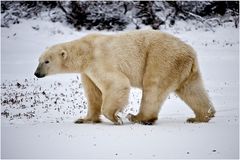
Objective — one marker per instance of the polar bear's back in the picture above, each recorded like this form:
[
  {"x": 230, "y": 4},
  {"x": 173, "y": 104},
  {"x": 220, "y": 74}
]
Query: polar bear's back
[{"x": 129, "y": 52}]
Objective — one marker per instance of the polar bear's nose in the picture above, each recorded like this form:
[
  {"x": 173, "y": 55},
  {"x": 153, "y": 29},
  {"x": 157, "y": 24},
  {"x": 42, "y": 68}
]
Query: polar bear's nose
[{"x": 38, "y": 75}]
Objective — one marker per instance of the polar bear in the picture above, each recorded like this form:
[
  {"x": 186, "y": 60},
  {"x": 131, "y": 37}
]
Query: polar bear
[{"x": 156, "y": 62}]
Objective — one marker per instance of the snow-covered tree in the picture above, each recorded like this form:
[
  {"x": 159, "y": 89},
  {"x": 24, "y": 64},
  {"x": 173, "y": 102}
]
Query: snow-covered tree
[{"x": 116, "y": 15}]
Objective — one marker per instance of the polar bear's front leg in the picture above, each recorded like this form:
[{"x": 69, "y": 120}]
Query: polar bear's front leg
[
  {"x": 114, "y": 86},
  {"x": 115, "y": 98},
  {"x": 115, "y": 95},
  {"x": 94, "y": 98}
]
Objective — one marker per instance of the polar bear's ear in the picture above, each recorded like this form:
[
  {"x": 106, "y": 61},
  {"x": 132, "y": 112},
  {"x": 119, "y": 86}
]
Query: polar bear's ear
[{"x": 64, "y": 54}]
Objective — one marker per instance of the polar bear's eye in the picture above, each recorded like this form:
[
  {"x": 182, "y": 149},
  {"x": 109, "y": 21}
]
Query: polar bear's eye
[{"x": 46, "y": 62}]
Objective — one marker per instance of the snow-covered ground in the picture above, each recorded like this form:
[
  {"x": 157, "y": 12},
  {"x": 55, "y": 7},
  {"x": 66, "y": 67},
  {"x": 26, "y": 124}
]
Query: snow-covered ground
[{"x": 37, "y": 114}]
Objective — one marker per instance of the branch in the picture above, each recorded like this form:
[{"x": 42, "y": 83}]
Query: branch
[
  {"x": 69, "y": 16},
  {"x": 204, "y": 21},
  {"x": 62, "y": 8}
]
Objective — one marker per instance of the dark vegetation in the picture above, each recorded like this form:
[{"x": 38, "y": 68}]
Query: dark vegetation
[{"x": 116, "y": 15}]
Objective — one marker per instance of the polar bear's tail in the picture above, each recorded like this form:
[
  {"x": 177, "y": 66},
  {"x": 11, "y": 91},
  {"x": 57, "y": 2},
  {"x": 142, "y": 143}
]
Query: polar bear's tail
[{"x": 192, "y": 92}]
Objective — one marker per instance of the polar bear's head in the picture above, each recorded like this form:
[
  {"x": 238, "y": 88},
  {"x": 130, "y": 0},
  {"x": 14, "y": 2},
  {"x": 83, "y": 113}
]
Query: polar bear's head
[{"x": 52, "y": 61}]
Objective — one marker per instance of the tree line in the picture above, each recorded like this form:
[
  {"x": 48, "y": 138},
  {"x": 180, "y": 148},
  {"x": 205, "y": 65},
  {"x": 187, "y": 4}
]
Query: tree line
[{"x": 117, "y": 15}]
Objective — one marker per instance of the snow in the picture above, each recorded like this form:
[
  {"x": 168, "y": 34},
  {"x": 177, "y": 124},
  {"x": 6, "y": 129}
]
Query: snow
[{"x": 37, "y": 114}]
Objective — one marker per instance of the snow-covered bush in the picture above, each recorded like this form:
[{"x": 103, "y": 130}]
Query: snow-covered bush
[
  {"x": 117, "y": 15},
  {"x": 13, "y": 11},
  {"x": 99, "y": 15}
]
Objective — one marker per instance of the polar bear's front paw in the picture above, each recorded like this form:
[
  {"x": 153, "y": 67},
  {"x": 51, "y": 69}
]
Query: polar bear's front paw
[
  {"x": 78, "y": 121},
  {"x": 87, "y": 120}
]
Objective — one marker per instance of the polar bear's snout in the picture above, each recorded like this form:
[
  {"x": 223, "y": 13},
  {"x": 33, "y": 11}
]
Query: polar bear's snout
[{"x": 38, "y": 73}]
